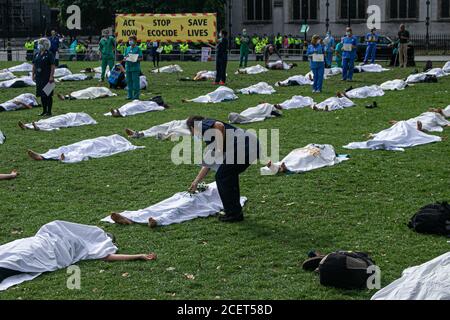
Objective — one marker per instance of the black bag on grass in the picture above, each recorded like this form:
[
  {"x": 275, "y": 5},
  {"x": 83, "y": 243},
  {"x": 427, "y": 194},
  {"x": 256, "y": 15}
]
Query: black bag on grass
[
  {"x": 430, "y": 79},
  {"x": 345, "y": 269},
  {"x": 432, "y": 219}
]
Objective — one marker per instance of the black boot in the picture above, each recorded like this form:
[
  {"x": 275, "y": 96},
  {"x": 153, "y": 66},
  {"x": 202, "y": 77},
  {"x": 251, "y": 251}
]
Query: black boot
[
  {"x": 49, "y": 108},
  {"x": 44, "y": 110},
  {"x": 230, "y": 218}
]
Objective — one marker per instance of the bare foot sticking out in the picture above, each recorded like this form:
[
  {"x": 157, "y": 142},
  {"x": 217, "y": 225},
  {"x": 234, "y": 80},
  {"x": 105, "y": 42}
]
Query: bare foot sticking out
[
  {"x": 22, "y": 125},
  {"x": 61, "y": 97},
  {"x": 35, "y": 127},
  {"x": 283, "y": 168},
  {"x": 117, "y": 218},
  {"x": 419, "y": 126},
  {"x": 269, "y": 164},
  {"x": 393, "y": 122},
  {"x": 152, "y": 223},
  {"x": 62, "y": 157},
  {"x": 35, "y": 156},
  {"x": 339, "y": 94}
]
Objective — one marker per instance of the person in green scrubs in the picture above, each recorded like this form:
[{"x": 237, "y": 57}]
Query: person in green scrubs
[
  {"x": 133, "y": 69},
  {"x": 338, "y": 53},
  {"x": 106, "y": 48},
  {"x": 244, "y": 49}
]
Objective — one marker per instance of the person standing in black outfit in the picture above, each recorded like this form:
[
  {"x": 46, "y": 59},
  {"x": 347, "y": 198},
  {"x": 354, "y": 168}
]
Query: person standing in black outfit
[
  {"x": 43, "y": 72},
  {"x": 221, "y": 58},
  {"x": 230, "y": 155}
]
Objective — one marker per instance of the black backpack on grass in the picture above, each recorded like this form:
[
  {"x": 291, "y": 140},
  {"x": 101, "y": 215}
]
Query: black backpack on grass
[
  {"x": 432, "y": 219},
  {"x": 345, "y": 270}
]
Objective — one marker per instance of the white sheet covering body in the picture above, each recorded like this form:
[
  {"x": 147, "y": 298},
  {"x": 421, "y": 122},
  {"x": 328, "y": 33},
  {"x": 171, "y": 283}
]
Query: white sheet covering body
[
  {"x": 62, "y": 72},
  {"x": 92, "y": 148},
  {"x": 67, "y": 120},
  {"x": 393, "y": 85},
  {"x": 92, "y": 93},
  {"x": 173, "y": 68},
  {"x": 365, "y": 92},
  {"x": 18, "y": 102},
  {"x": 446, "y": 67},
  {"x": 279, "y": 64},
  {"x": 6, "y": 75},
  {"x": 297, "y": 102},
  {"x": 259, "y": 88},
  {"x": 298, "y": 80},
  {"x": 136, "y": 107},
  {"x": 428, "y": 281},
  {"x": 24, "y": 67},
  {"x": 437, "y": 72},
  {"x": 256, "y": 114},
  {"x": 179, "y": 208},
  {"x": 431, "y": 121},
  {"x": 221, "y": 94},
  {"x": 416, "y": 78},
  {"x": 205, "y": 75},
  {"x": 175, "y": 128},
  {"x": 446, "y": 112},
  {"x": 399, "y": 136},
  {"x": 311, "y": 157},
  {"x": 2, "y": 137},
  {"x": 55, "y": 246},
  {"x": 24, "y": 81},
  {"x": 253, "y": 70},
  {"x": 335, "y": 103},
  {"x": 376, "y": 68},
  {"x": 74, "y": 77}
]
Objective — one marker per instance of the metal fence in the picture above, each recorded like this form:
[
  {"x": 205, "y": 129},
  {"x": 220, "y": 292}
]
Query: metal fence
[{"x": 436, "y": 44}]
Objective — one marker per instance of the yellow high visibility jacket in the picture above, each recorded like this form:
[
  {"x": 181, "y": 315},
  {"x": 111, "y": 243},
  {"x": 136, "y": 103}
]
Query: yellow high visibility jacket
[
  {"x": 184, "y": 47},
  {"x": 168, "y": 48},
  {"x": 29, "y": 45}
]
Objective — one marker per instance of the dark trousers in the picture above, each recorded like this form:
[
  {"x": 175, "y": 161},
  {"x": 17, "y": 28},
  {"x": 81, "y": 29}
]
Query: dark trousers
[
  {"x": 221, "y": 70},
  {"x": 47, "y": 103},
  {"x": 6, "y": 273},
  {"x": 227, "y": 180},
  {"x": 156, "y": 58}
]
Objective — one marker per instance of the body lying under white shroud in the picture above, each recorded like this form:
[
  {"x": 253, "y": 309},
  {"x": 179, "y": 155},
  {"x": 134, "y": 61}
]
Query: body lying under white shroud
[
  {"x": 74, "y": 77},
  {"x": 175, "y": 128},
  {"x": 297, "y": 102},
  {"x": 21, "y": 82},
  {"x": 298, "y": 80},
  {"x": 92, "y": 148},
  {"x": 259, "y": 88},
  {"x": 335, "y": 103},
  {"x": 2, "y": 137},
  {"x": 365, "y": 92},
  {"x": 6, "y": 75},
  {"x": 24, "y": 67},
  {"x": 256, "y": 114},
  {"x": 137, "y": 107},
  {"x": 179, "y": 208},
  {"x": 67, "y": 120},
  {"x": 18, "y": 102},
  {"x": 279, "y": 65},
  {"x": 173, "y": 68},
  {"x": 55, "y": 246},
  {"x": 376, "y": 68},
  {"x": 221, "y": 94},
  {"x": 428, "y": 281},
  {"x": 92, "y": 93},
  {"x": 399, "y": 136},
  {"x": 253, "y": 70},
  {"x": 431, "y": 121},
  {"x": 394, "y": 85},
  {"x": 311, "y": 157}
]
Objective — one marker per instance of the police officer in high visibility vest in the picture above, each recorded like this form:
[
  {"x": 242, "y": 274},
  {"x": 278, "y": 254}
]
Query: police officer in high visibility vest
[
  {"x": 143, "y": 47},
  {"x": 255, "y": 41},
  {"x": 278, "y": 41},
  {"x": 121, "y": 47},
  {"x": 237, "y": 41},
  {"x": 168, "y": 48},
  {"x": 184, "y": 48},
  {"x": 81, "y": 50},
  {"x": 29, "y": 46}
]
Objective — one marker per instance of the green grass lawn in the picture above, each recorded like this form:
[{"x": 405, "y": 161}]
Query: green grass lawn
[{"x": 362, "y": 204}]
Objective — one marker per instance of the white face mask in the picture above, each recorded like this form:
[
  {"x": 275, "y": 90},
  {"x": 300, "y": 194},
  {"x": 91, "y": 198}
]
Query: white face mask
[
  {"x": 40, "y": 47},
  {"x": 131, "y": 43},
  {"x": 348, "y": 33}
]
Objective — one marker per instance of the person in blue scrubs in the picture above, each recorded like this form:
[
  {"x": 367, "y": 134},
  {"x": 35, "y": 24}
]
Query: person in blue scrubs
[
  {"x": 371, "y": 51},
  {"x": 316, "y": 54},
  {"x": 330, "y": 44},
  {"x": 348, "y": 55},
  {"x": 133, "y": 69}
]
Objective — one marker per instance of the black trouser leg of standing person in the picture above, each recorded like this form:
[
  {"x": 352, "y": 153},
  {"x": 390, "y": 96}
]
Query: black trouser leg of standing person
[
  {"x": 227, "y": 180},
  {"x": 44, "y": 104},
  {"x": 47, "y": 104},
  {"x": 224, "y": 71}
]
